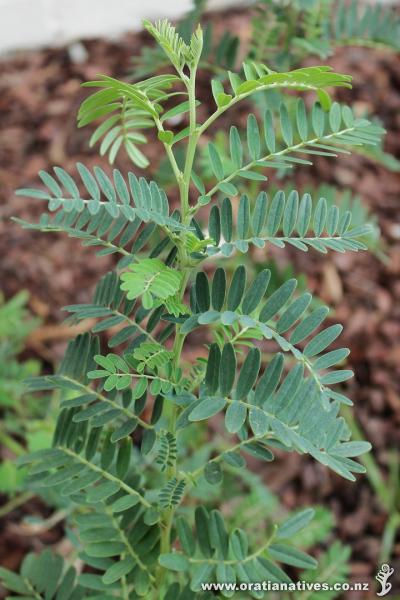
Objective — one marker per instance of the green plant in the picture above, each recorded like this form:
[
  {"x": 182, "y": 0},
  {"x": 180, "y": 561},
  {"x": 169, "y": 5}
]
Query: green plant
[
  {"x": 283, "y": 34},
  {"x": 287, "y": 32},
  {"x": 121, "y": 451},
  {"x": 23, "y": 423}
]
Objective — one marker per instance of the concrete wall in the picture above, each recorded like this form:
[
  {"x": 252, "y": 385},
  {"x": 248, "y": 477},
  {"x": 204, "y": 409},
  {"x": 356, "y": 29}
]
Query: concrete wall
[{"x": 33, "y": 23}]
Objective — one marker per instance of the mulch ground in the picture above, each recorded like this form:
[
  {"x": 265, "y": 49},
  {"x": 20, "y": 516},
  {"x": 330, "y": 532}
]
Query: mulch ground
[{"x": 39, "y": 97}]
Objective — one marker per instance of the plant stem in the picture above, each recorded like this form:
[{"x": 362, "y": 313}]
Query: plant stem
[
  {"x": 15, "y": 502},
  {"x": 11, "y": 444},
  {"x": 183, "y": 181}
]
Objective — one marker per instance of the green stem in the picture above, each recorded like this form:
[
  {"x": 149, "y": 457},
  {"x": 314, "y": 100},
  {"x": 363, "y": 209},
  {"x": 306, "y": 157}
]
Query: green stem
[
  {"x": 128, "y": 545},
  {"x": 9, "y": 442},
  {"x": 169, "y": 152},
  {"x": 220, "y": 111},
  {"x": 239, "y": 446},
  {"x": 288, "y": 150},
  {"x": 124, "y": 486},
  {"x": 248, "y": 558},
  {"x": 183, "y": 181},
  {"x": 130, "y": 414},
  {"x": 15, "y": 503}
]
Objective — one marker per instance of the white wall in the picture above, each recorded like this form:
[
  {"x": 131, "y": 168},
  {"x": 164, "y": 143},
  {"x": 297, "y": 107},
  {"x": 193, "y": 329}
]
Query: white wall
[{"x": 33, "y": 23}]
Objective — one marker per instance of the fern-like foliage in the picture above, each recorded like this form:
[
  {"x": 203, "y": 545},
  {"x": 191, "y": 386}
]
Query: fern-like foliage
[
  {"x": 141, "y": 199},
  {"x": 224, "y": 50},
  {"x": 213, "y": 553},
  {"x": 313, "y": 133},
  {"x": 150, "y": 278},
  {"x": 283, "y": 220},
  {"x": 167, "y": 452},
  {"x": 178, "y": 52},
  {"x": 44, "y": 576},
  {"x": 259, "y": 77},
  {"x": 111, "y": 305},
  {"x": 129, "y": 109},
  {"x": 116, "y": 401},
  {"x": 136, "y": 505},
  {"x": 300, "y": 29},
  {"x": 134, "y": 324},
  {"x": 171, "y": 494},
  {"x": 128, "y": 545},
  {"x": 290, "y": 411},
  {"x": 371, "y": 26},
  {"x": 109, "y": 215}
]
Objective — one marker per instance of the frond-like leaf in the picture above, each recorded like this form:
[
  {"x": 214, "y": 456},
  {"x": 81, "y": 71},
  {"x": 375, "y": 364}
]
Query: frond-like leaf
[
  {"x": 126, "y": 110},
  {"x": 138, "y": 198},
  {"x": 167, "y": 451},
  {"x": 288, "y": 410},
  {"x": 212, "y": 552},
  {"x": 286, "y": 219},
  {"x": 119, "y": 547},
  {"x": 319, "y": 28},
  {"x": 373, "y": 26},
  {"x": 170, "y": 41},
  {"x": 151, "y": 356},
  {"x": 102, "y": 396},
  {"x": 43, "y": 575},
  {"x": 112, "y": 309},
  {"x": 315, "y": 133},
  {"x": 258, "y": 77},
  {"x": 172, "y": 493},
  {"x": 281, "y": 318},
  {"x": 150, "y": 278},
  {"x": 110, "y": 212}
]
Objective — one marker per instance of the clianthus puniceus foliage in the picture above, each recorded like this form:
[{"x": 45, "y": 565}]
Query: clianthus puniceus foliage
[{"x": 130, "y": 453}]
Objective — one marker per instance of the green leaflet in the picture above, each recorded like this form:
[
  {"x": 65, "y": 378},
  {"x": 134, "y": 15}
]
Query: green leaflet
[
  {"x": 235, "y": 417},
  {"x": 174, "y": 561},
  {"x": 213, "y": 473},
  {"x": 227, "y": 369},
  {"x": 248, "y": 373},
  {"x": 256, "y": 292},
  {"x": 218, "y": 289},
  {"x": 292, "y": 556},
  {"x": 118, "y": 570},
  {"x": 295, "y": 523},
  {"x": 207, "y": 408},
  {"x": 213, "y": 368},
  {"x": 236, "y": 289},
  {"x": 277, "y": 300},
  {"x": 43, "y": 573},
  {"x": 186, "y": 537},
  {"x": 258, "y": 421},
  {"x": 215, "y": 161}
]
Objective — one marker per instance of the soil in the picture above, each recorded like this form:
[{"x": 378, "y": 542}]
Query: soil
[{"x": 39, "y": 96}]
